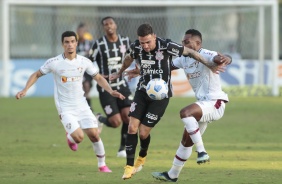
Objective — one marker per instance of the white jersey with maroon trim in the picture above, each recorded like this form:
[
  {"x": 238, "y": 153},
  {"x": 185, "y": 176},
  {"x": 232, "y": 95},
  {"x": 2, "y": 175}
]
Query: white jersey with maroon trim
[
  {"x": 205, "y": 83},
  {"x": 68, "y": 76}
]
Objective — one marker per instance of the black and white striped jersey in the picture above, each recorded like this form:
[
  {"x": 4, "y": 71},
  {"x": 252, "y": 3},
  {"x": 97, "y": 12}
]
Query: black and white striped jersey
[
  {"x": 156, "y": 63},
  {"x": 109, "y": 57},
  {"x": 84, "y": 47}
]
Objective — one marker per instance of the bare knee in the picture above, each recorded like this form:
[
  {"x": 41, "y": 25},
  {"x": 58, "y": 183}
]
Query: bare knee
[
  {"x": 115, "y": 120},
  {"x": 78, "y": 138},
  {"x": 185, "y": 113}
]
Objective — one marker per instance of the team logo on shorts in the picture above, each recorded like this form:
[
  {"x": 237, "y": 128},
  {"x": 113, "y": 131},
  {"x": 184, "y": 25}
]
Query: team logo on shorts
[
  {"x": 159, "y": 55},
  {"x": 108, "y": 109},
  {"x": 132, "y": 107},
  {"x": 68, "y": 125}
]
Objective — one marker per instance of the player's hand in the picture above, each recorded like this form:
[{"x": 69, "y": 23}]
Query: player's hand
[
  {"x": 117, "y": 94},
  {"x": 113, "y": 76},
  {"x": 132, "y": 73},
  {"x": 20, "y": 94}
]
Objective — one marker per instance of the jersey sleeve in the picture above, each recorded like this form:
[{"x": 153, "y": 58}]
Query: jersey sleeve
[
  {"x": 48, "y": 66},
  {"x": 176, "y": 63},
  {"x": 91, "y": 69},
  {"x": 174, "y": 49},
  {"x": 132, "y": 51},
  {"x": 93, "y": 52},
  {"x": 208, "y": 54}
]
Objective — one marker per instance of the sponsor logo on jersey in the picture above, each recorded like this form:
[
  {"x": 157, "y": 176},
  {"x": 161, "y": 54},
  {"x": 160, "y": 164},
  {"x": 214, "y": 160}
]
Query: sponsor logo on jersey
[
  {"x": 152, "y": 71},
  {"x": 148, "y": 62},
  {"x": 176, "y": 51},
  {"x": 65, "y": 79},
  {"x": 159, "y": 55},
  {"x": 194, "y": 75},
  {"x": 151, "y": 116}
]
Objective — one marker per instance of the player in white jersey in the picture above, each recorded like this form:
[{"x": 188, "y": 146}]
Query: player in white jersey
[
  {"x": 210, "y": 104},
  {"x": 75, "y": 114}
]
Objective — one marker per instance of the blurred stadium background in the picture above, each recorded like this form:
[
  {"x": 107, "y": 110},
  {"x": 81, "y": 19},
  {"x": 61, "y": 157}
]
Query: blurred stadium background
[{"x": 30, "y": 33}]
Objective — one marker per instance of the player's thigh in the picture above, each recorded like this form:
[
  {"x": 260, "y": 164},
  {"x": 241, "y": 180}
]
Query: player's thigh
[
  {"x": 139, "y": 105},
  {"x": 148, "y": 111},
  {"x": 108, "y": 103},
  {"x": 211, "y": 110},
  {"x": 87, "y": 120},
  {"x": 70, "y": 121},
  {"x": 155, "y": 112}
]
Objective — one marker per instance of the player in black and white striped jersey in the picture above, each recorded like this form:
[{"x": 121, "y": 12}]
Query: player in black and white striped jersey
[
  {"x": 84, "y": 43},
  {"x": 109, "y": 52},
  {"x": 154, "y": 56}
]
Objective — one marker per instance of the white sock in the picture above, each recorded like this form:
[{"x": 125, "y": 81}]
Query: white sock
[
  {"x": 182, "y": 154},
  {"x": 70, "y": 138},
  {"x": 99, "y": 150},
  {"x": 192, "y": 127}
]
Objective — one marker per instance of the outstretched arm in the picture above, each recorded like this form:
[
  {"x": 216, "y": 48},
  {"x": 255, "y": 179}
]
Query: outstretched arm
[
  {"x": 132, "y": 73},
  {"x": 32, "y": 79},
  {"x": 104, "y": 84},
  {"x": 126, "y": 63},
  {"x": 216, "y": 68}
]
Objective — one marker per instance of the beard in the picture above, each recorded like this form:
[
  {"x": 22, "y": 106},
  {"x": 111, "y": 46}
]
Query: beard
[{"x": 70, "y": 52}]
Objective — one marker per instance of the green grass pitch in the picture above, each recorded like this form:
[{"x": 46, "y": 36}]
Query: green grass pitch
[{"x": 245, "y": 146}]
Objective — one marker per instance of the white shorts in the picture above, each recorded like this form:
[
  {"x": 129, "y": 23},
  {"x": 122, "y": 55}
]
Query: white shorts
[
  {"x": 83, "y": 119},
  {"x": 212, "y": 110}
]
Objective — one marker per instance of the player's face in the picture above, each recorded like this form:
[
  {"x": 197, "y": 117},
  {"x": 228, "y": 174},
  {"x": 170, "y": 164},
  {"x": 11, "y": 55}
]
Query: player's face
[
  {"x": 148, "y": 43},
  {"x": 69, "y": 44},
  {"x": 109, "y": 26},
  {"x": 191, "y": 42}
]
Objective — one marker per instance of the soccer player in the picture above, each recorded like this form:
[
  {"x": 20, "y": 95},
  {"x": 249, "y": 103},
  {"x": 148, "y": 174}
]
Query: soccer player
[
  {"x": 154, "y": 56},
  {"x": 74, "y": 112},
  {"x": 109, "y": 51},
  {"x": 210, "y": 104},
  {"x": 85, "y": 41}
]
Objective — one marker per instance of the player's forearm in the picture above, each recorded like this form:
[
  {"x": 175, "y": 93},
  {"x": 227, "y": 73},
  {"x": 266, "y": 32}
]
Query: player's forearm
[
  {"x": 126, "y": 63},
  {"x": 101, "y": 81},
  {"x": 197, "y": 56},
  {"x": 32, "y": 79}
]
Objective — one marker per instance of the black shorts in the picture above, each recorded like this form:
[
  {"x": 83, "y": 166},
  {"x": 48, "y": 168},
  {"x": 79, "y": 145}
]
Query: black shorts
[
  {"x": 112, "y": 105},
  {"x": 87, "y": 78},
  {"x": 148, "y": 111}
]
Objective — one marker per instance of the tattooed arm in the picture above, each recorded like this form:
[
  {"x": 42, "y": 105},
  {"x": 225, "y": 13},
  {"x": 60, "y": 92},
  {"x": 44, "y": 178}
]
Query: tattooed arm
[{"x": 216, "y": 68}]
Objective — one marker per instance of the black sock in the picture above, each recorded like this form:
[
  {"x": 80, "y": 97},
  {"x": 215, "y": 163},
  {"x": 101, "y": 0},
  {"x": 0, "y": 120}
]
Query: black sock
[
  {"x": 123, "y": 132},
  {"x": 144, "y": 144},
  {"x": 130, "y": 146},
  {"x": 105, "y": 121}
]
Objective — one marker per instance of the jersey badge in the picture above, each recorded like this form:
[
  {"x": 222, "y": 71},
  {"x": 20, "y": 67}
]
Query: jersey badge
[
  {"x": 122, "y": 49},
  {"x": 159, "y": 55},
  {"x": 80, "y": 69}
]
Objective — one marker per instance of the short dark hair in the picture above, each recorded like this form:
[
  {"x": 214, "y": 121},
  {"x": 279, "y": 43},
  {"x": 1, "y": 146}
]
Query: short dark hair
[
  {"x": 81, "y": 25},
  {"x": 105, "y": 18},
  {"x": 194, "y": 32},
  {"x": 68, "y": 34},
  {"x": 144, "y": 30}
]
